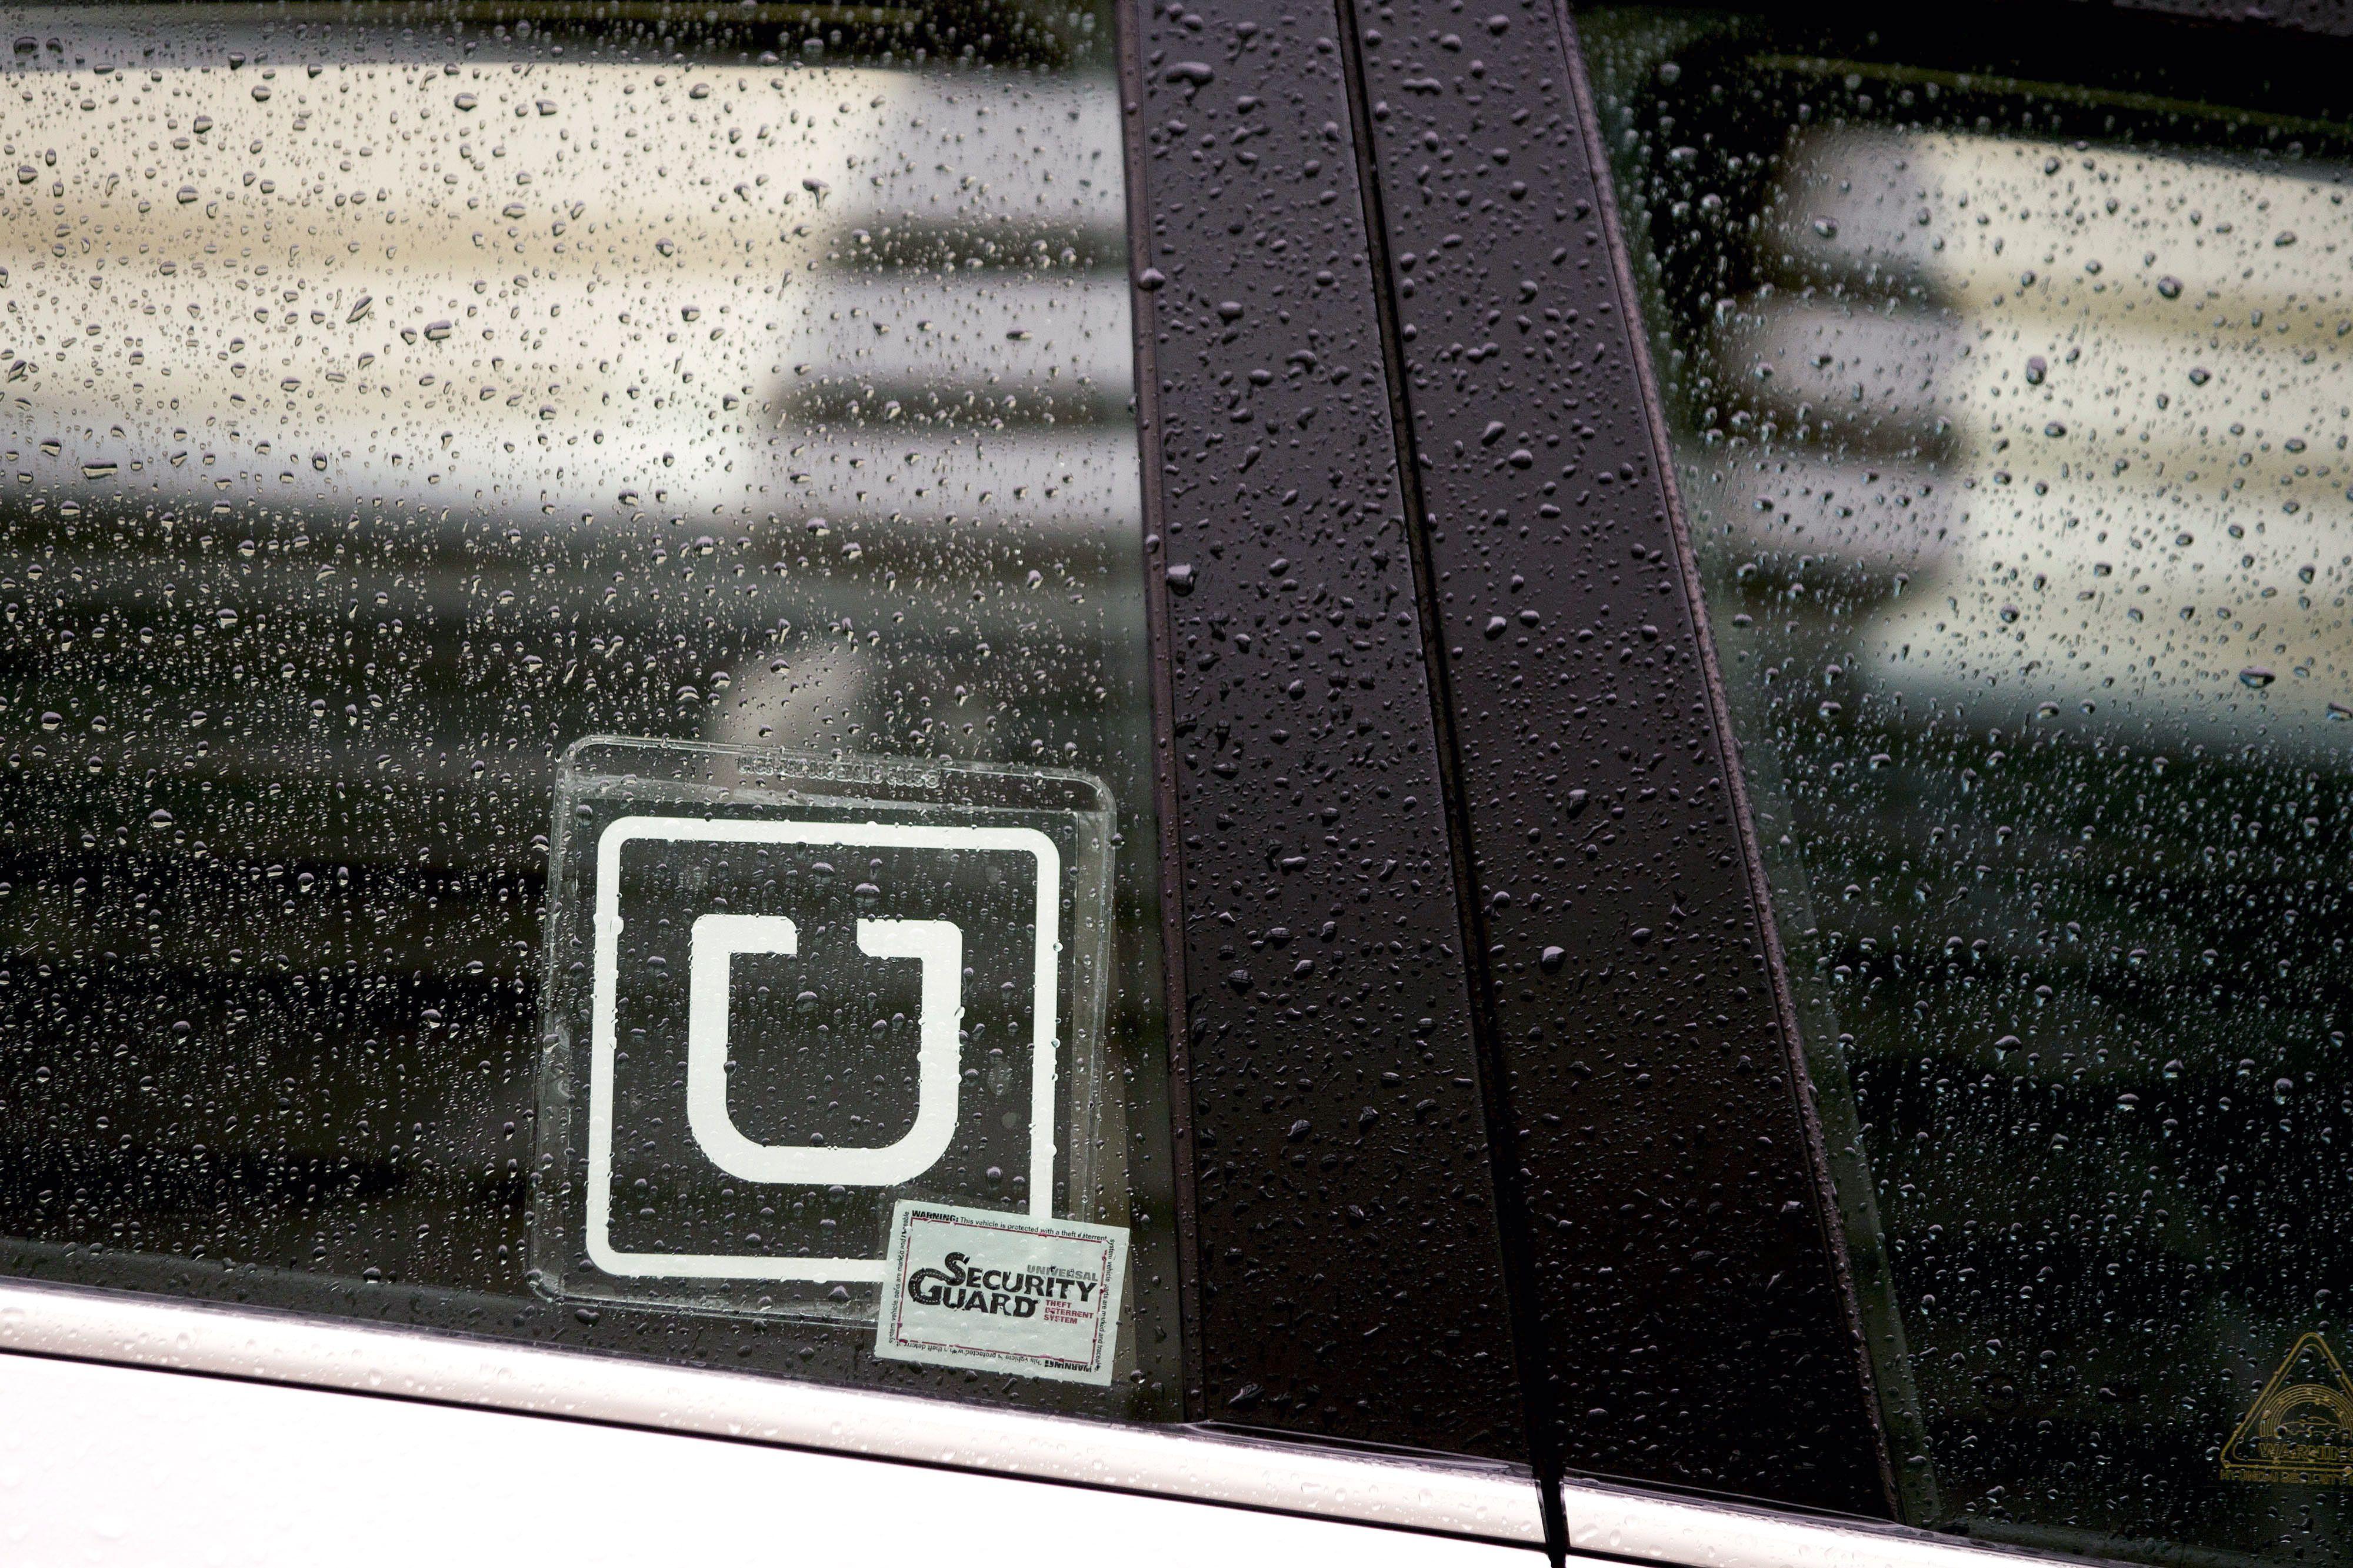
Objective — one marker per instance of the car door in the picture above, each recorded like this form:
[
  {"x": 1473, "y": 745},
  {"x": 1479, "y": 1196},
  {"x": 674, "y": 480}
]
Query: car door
[
  {"x": 1954, "y": 396},
  {"x": 665, "y": 659}
]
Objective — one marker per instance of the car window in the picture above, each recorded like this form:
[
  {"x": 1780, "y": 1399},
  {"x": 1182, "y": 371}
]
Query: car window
[
  {"x": 2006, "y": 383},
  {"x": 398, "y": 401}
]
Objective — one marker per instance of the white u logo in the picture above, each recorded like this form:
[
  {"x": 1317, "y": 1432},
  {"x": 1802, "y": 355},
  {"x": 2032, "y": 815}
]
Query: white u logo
[{"x": 936, "y": 945}]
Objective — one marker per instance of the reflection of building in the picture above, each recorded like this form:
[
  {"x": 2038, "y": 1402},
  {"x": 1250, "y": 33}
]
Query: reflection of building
[
  {"x": 378, "y": 430},
  {"x": 2082, "y": 398},
  {"x": 857, "y": 334},
  {"x": 2009, "y": 418}
]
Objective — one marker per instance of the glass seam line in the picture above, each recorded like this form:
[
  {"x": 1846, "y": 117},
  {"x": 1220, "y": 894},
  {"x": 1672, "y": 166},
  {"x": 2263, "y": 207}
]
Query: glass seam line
[
  {"x": 1503, "y": 1144},
  {"x": 1483, "y": 1501}
]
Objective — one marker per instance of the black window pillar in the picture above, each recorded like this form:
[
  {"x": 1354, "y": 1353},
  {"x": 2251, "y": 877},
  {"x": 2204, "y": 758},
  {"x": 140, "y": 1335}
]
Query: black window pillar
[
  {"x": 1697, "y": 1325},
  {"x": 1343, "y": 1217}
]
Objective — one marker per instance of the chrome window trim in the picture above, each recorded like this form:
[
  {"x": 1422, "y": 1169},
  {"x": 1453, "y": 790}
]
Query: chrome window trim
[
  {"x": 1480, "y": 1501},
  {"x": 1650, "y": 1527}
]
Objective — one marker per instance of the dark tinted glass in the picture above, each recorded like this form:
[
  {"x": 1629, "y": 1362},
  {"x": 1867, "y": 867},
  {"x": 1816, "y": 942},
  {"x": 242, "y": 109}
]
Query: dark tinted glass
[
  {"x": 394, "y": 399},
  {"x": 2007, "y": 377}
]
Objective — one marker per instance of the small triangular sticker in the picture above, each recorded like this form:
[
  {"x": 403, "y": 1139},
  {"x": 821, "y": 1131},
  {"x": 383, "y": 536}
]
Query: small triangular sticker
[{"x": 2300, "y": 1430}]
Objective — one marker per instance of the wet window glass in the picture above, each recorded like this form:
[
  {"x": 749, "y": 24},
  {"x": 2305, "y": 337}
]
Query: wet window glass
[
  {"x": 397, "y": 402},
  {"x": 2007, "y": 380}
]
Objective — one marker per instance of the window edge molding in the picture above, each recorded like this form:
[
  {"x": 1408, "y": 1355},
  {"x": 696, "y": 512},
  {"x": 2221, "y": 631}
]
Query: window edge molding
[
  {"x": 1483, "y": 1501},
  {"x": 1628, "y": 1525}
]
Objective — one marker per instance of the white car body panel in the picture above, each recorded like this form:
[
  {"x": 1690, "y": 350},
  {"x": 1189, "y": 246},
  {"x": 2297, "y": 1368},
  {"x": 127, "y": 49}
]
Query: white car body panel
[{"x": 120, "y": 1467}]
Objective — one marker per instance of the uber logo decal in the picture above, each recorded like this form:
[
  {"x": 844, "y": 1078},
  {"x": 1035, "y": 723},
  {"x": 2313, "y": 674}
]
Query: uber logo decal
[
  {"x": 714, "y": 940},
  {"x": 804, "y": 1001}
]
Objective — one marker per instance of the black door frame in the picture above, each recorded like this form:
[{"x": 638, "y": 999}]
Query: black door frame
[
  {"x": 1348, "y": 1270},
  {"x": 1691, "y": 1275}
]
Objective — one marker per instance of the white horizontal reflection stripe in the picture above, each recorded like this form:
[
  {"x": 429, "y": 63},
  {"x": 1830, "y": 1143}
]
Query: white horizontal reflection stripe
[
  {"x": 1491, "y": 1502},
  {"x": 1622, "y": 1523}
]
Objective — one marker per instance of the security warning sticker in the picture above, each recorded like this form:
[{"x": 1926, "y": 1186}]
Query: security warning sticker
[{"x": 992, "y": 1291}]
